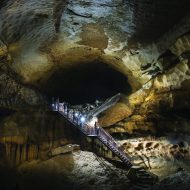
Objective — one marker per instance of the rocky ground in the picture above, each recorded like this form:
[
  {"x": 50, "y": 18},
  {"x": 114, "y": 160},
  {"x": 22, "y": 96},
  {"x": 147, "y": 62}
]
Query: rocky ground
[
  {"x": 168, "y": 157},
  {"x": 163, "y": 156},
  {"x": 67, "y": 169},
  {"x": 41, "y": 40},
  {"x": 80, "y": 170}
]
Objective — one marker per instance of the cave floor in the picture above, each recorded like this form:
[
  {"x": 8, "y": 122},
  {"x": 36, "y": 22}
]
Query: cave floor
[{"x": 164, "y": 156}]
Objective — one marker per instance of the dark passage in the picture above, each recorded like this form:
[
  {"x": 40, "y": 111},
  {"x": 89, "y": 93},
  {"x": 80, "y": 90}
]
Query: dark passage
[{"x": 84, "y": 83}]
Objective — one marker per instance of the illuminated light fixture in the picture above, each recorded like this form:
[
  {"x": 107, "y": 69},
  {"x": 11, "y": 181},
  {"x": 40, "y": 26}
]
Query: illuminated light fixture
[
  {"x": 82, "y": 119},
  {"x": 76, "y": 114}
]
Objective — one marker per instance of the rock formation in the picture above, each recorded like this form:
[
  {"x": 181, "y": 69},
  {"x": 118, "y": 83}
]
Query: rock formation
[{"x": 87, "y": 50}]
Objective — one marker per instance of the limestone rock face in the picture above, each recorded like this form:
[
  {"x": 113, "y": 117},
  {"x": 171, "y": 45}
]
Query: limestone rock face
[
  {"x": 41, "y": 38},
  {"x": 42, "y": 45},
  {"x": 162, "y": 104},
  {"x": 149, "y": 14},
  {"x": 33, "y": 135},
  {"x": 15, "y": 96},
  {"x": 64, "y": 149},
  {"x": 3, "y": 53}
]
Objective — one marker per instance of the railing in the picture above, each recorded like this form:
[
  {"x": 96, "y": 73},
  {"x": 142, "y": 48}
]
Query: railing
[
  {"x": 108, "y": 140},
  {"x": 98, "y": 132},
  {"x": 87, "y": 130}
]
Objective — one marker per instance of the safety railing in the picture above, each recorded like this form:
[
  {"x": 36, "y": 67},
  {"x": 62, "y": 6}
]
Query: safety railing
[{"x": 99, "y": 132}]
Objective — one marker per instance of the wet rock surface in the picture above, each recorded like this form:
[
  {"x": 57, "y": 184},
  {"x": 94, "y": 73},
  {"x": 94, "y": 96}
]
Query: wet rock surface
[{"x": 40, "y": 41}]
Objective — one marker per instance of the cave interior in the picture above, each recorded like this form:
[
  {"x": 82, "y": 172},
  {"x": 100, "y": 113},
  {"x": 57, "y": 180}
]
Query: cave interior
[{"x": 83, "y": 53}]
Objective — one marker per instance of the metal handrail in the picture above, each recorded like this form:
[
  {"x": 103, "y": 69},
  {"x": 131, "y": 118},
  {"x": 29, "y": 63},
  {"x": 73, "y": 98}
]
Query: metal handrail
[{"x": 99, "y": 132}]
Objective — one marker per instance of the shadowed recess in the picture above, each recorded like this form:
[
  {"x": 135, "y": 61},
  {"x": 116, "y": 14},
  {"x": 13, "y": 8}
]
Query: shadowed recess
[{"x": 86, "y": 82}]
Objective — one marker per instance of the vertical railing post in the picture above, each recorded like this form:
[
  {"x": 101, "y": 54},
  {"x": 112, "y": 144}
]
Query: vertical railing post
[
  {"x": 58, "y": 104},
  {"x": 52, "y": 104}
]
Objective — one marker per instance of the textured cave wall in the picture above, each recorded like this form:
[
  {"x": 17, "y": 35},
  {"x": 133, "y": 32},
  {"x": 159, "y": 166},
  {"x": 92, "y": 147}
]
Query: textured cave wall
[
  {"x": 42, "y": 44},
  {"x": 162, "y": 105},
  {"x": 154, "y": 18},
  {"x": 26, "y": 136},
  {"x": 147, "y": 42},
  {"x": 42, "y": 37},
  {"x": 13, "y": 94}
]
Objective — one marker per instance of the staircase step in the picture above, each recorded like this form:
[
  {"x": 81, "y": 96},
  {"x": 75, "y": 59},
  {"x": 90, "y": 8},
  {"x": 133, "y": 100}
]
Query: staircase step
[{"x": 103, "y": 136}]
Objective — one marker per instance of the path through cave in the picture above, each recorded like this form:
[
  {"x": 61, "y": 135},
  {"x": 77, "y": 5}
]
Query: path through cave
[{"x": 86, "y": 82}]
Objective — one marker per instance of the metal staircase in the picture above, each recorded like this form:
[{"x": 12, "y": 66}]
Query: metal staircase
[
  {"x": 135, "y": 174},
  {"x": 95, "y": 131}
]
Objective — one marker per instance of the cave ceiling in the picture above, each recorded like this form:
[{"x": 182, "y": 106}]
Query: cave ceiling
[
  {"x": 40, "y": 38},
  {"x": 83, "y": 50}
]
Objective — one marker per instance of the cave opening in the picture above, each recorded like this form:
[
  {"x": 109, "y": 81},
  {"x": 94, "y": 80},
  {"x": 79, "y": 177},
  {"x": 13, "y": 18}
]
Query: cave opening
[{"x": 85, "y": 83}]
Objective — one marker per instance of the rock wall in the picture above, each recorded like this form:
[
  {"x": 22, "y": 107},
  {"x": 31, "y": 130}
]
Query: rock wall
[
  {"x": 149, "y": 14},
  {"x": 147, "y": 41},
  {"x": 162, "y": 104},
  {"x": 14, "y": 95},
  {"x": 25, "y": 136},
  {"x": 40, "y": 38}
]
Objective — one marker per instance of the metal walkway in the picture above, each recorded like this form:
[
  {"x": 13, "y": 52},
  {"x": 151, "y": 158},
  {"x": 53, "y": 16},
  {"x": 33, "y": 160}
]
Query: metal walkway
[{"x": 92, "y": 131}]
